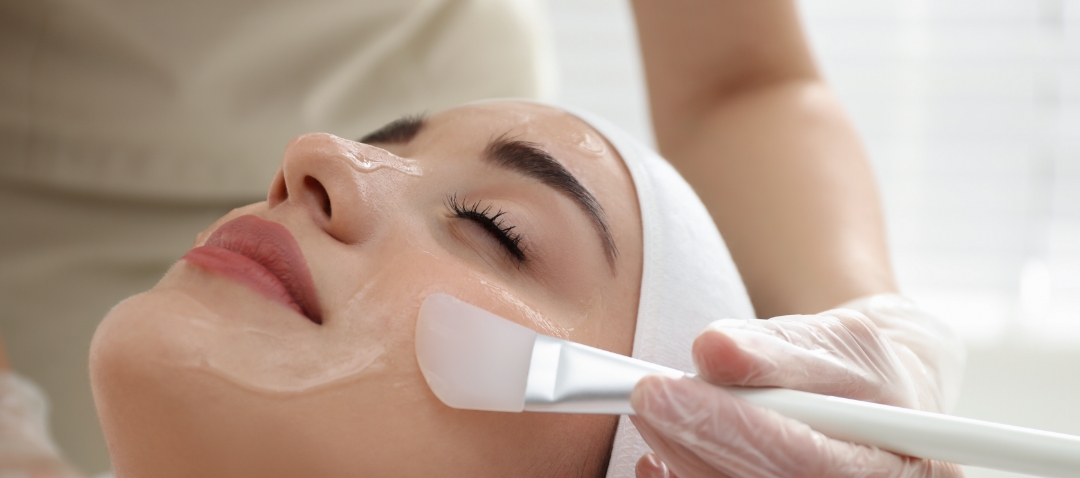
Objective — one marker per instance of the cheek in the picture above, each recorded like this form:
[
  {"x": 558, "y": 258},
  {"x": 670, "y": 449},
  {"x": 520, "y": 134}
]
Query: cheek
[
  {"x": 404, "y": 276},
  {"x": 397, "y": 401},
  {"x": 599, "y": 311}
]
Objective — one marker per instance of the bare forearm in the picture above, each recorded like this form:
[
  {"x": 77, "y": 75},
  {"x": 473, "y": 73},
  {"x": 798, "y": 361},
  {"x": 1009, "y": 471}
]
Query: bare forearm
[
  {"x": 698, "y": 53},
  {"x": 787, "y": 181},
  {"x": 741, "y": 110}
]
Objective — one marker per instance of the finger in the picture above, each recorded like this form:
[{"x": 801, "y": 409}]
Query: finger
[
  {"x": 650, "y": 466},
  {"x": 685, "y": 463},
  {"x": 839, "y": 354},
  {"x": 698, "y": 429},
  {"x": 723, "y": 360},
  {"x": 690, "y": 465}
]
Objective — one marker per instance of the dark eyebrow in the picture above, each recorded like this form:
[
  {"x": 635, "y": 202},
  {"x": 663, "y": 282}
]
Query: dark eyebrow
[
  {"x": 527, "y": 158},
  {"x": 399, "y": 131}
]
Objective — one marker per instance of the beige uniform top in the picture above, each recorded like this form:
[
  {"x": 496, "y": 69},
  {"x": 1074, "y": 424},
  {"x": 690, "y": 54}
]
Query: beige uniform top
[
  {"x": 195, "y": 99},
  {"x": 127, "y": 126}
]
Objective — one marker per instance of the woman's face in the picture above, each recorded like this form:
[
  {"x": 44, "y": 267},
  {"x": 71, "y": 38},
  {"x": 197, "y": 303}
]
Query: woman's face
[{"x": 282, "y": 344}]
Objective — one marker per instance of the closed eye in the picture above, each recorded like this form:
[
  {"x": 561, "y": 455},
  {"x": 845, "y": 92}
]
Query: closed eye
[{"x": 492, "y": 221}]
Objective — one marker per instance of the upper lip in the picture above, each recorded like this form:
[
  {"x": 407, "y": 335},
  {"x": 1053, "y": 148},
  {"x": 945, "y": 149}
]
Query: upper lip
[{"x": 272, "y": 246}]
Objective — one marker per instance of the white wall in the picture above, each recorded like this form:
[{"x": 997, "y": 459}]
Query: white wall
[{"x": 971, "y": 113}]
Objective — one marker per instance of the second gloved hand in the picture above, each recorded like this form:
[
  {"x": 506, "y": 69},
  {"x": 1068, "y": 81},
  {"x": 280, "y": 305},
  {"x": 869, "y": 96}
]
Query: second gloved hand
[
  {"x": 882, "y": 349},
  {"x": 26, "y": 447}
]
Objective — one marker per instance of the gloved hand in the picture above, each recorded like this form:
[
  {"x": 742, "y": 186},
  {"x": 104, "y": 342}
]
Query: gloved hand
[
  {"x": 881, "y": 349},
  {"x": 26, "y": 449}
]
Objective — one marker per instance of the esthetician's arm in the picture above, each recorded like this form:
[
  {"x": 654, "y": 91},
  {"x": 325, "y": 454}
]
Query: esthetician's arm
[{"x": 743, "y": 113}]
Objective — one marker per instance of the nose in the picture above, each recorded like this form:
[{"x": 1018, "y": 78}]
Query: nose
[{"x": 328, "y": 177}]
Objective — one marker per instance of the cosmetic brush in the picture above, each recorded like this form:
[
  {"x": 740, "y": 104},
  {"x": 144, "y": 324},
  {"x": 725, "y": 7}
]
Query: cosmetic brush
[{"x": 473, "y": 359}]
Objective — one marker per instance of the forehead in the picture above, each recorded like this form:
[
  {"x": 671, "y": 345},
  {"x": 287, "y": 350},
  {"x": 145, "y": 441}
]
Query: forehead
[
  {"x": 529, "y": 121},
  {"x": 571, "y": 141}
]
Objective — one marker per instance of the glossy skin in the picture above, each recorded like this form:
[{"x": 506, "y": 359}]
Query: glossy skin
[{"x": 204, "y": 376}]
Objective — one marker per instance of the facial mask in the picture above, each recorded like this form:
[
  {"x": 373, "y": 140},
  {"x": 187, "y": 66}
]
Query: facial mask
[
  {"x": 276, "y": 356},
  {"x": 365, "y": 158}
]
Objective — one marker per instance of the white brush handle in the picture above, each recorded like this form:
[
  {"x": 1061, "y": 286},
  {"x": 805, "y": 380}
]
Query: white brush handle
[
  {"x": 928, "y": 435},
  {"x": 566, "y": 377}
]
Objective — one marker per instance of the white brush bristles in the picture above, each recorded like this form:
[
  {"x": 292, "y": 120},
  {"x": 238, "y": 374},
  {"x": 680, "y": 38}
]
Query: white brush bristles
[{"x": 471, "y": 358}]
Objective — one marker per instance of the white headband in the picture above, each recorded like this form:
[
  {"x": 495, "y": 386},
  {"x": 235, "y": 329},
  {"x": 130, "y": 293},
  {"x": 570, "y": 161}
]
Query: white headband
[{"x": 687, "y": 281}]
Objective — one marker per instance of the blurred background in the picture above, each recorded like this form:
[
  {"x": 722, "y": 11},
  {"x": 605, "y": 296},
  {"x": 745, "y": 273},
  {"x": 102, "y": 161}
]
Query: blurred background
[{"x": 970, "y": 110}]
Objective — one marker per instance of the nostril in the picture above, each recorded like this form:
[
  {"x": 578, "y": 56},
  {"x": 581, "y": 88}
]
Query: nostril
[{"x": 320, "y": 193}]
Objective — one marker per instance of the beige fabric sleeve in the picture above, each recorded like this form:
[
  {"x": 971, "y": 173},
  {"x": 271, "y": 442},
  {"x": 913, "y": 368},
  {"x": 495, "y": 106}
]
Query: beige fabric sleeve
[{"x": 195, "y": 100}]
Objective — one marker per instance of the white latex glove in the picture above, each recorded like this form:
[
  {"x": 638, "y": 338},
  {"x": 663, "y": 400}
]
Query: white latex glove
[
  {"x": 881, "y": 349},
  {"x": 26, "y": 449}
]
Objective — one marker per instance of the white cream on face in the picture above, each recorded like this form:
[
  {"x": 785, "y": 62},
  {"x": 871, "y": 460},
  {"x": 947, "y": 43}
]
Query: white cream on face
[
  {"x": 259, "y": 347},
  {"x": 365, "y": 158},
  {"x": 591, "y": 143},
  {"x": 533, "y": 317}
]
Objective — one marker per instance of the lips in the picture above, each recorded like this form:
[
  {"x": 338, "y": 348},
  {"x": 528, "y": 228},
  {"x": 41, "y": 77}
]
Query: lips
[{"x": 264, "y": 256}]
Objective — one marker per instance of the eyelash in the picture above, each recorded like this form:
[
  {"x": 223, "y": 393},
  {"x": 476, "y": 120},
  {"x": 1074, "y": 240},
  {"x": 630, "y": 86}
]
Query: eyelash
[{"x": 491, "y": 222}]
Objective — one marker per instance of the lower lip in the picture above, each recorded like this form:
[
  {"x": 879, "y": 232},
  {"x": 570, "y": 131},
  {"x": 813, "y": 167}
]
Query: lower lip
[{"x": 244, "y": 270}]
